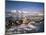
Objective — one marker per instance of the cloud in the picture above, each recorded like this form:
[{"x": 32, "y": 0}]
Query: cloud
[
  {"x": 19, "y": 11},
  {"x": 13, "y": 11}
]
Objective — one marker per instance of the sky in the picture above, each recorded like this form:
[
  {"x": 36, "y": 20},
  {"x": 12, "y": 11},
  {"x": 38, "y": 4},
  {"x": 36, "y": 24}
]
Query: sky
[{"x": 12, "y": 6}]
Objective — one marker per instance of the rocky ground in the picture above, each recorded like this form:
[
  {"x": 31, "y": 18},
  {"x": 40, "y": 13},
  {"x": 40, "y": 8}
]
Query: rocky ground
[{"x": 29, "y": 28}]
